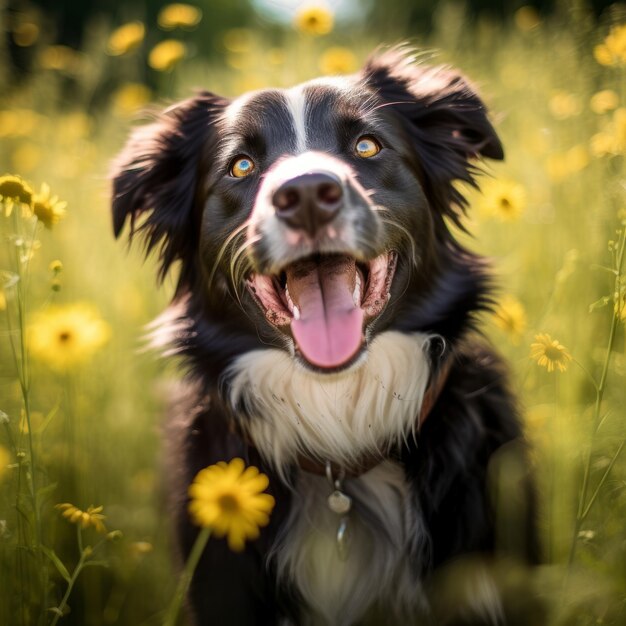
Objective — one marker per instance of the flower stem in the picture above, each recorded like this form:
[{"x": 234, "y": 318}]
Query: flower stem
[
  {"x": 58, "y": 614},
  {"x": 583, "y": 506},
  {"x": 185, "y": 579},
  {"x": 22, "y": 264}
]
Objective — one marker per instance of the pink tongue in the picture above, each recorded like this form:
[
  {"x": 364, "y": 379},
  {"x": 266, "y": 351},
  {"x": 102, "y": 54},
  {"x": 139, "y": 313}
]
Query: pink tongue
[{"x": 330, "y": 329}]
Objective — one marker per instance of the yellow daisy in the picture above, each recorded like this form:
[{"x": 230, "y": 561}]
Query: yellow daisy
[
  {"x": 228, "y": 498},
  {"x": 563, "y": 105},
  {"x": 13, "y": 190},
  {"x": 613, "y": 50},
  {"x": 91, "y": 517},
  {"x": 549, "y": 353},
  {"x": 510, "y": 316},
  {"x": 504, "y": 199},
  {"x": 64, "y": 336},
  {"x": 48, "y": 209},
  {"x": 338, "y": 60},
  {"x": 603, "y": 101},
  {"x": 166, "y": 55},
  {"x": 179, "y": 15},
  {"x": 314, "y": 20},
  {"x": 126, "y": 38},
  {"x": 129, "y": 98}
]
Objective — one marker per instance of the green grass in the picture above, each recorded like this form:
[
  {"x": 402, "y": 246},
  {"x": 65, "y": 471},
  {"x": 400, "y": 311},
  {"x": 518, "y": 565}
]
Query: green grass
[{"x": 100, "y": 444}]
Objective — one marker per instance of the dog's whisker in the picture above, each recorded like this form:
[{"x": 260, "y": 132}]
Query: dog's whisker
[
  {"x": 236, "y": 233},
  {"x": 240, "y": 264}
]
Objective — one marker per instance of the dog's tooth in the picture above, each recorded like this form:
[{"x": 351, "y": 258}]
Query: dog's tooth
[
  {"x": 296, "y": 312},
  {"x": 290, "y": 303},
  {"x": 356, "y": 294}
]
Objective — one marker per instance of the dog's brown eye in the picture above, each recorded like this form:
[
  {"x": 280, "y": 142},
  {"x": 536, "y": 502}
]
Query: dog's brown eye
[
  {"x": 241, "y": 167},
  {"x": 367, "y": 147}
]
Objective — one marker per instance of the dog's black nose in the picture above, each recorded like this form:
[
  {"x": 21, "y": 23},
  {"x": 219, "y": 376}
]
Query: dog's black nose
[{"x": 309, "y": 201}]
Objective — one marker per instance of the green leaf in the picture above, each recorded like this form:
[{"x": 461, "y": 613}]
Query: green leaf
[
  {"x": 44, "y": 492},
  {"x": 48, "y": 419},
  {"x": 605, "y": 268},
  {"x": 598, "y": 304},
  {"x": 95, "y": 564},
  {"x": 56, "y": 561}
]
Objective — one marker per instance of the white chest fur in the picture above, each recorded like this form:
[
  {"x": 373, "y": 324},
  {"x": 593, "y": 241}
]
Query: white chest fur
[{"x": 340, "y": 416}]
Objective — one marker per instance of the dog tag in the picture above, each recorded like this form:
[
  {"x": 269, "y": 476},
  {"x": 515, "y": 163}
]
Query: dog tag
[{"x": 339, "y": 502}]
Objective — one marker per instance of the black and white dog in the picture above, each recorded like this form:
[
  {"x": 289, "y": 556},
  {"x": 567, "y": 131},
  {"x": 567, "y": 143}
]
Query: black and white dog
[{"x": 326, "y": 315}]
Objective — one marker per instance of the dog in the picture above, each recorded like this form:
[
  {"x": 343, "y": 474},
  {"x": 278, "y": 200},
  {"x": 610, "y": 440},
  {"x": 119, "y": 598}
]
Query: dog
[{"x": 326, "y": 316}]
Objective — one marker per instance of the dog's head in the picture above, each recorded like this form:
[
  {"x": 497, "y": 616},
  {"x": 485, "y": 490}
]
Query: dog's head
[{"x": 319, "y": 210}]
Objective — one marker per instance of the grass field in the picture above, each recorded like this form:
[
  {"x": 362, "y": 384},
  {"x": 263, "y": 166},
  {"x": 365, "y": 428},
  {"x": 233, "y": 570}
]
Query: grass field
[{"x": 81, "y": 405}]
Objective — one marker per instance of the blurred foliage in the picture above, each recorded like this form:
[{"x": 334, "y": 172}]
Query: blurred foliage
[{"x": 85, "y": 432}]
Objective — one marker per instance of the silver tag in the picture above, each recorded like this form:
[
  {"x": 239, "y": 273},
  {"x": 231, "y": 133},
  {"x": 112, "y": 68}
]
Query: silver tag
[{"x": 339, "y": 502}]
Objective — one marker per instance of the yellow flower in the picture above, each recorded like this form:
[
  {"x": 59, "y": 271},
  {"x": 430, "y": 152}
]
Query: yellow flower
[
  {"x": 5, "y": 459},
  {"x": 64, "y": 336},
  {"x": 563, "y": 105},
  {"x": 603, "y": 101},
  {"x": 602, "y": 143},
  {"x": 527, "y": 18},
  {"x": 91, "y": 517},
  {"x": 25, "y": 34},
  {"x": 129, "y": 98},
  {"x": 560, "y": 165},
  {"x": 166, "y": 55},
  {"x": 3, "y": 300},
  {"x": 314, "y": 20},
  {"x": 48, "y": 209},
  {"x": 504, "y": 199},
  {"x": 126, "y": 38},
  {"x": 338, "y": 60},
  {"x": 549, "y": 353},
  {"x": 613, "y": 50},
  {"x": 179, "y": 15},
  {"x": 510, "y": 316},
  {"x": 60, "y": 58},
  {"x": 19, "y": 123},
  {"x": 228, "y": 498},
  {"x": 139, "y": 548},
  {"x": 238, "y": 40},
  {"x": 14, "y": 190}
]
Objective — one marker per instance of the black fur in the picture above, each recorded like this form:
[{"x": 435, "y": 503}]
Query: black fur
[{"x": 173, "y": 175}]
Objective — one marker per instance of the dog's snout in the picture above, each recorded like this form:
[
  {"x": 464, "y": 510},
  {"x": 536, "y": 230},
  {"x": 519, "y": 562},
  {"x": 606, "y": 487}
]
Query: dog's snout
[{"x": 309, "y": 201}]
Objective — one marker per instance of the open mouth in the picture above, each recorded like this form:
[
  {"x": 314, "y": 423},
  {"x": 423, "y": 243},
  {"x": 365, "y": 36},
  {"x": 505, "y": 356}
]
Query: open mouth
[{"x": 327, "y": 301}]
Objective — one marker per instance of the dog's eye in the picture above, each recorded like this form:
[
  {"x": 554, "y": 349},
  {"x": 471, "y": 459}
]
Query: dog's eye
[
  {"x": 367, "y": 147},
  {"x": 242, "y": 166}
]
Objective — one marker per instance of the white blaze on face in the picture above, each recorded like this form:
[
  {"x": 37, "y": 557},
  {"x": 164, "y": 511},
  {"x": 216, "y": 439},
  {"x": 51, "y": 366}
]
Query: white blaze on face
[{"x": 296, "y": 103}]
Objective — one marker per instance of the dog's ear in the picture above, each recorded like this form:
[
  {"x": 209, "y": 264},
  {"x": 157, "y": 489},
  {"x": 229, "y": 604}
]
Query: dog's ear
[
  {"x": 157, "y": 178},
  {"x": 445, "y": 118}
]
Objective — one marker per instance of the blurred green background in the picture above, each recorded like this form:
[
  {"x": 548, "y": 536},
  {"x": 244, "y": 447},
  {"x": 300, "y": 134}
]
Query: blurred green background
[{"x": 77, "y": 75}]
